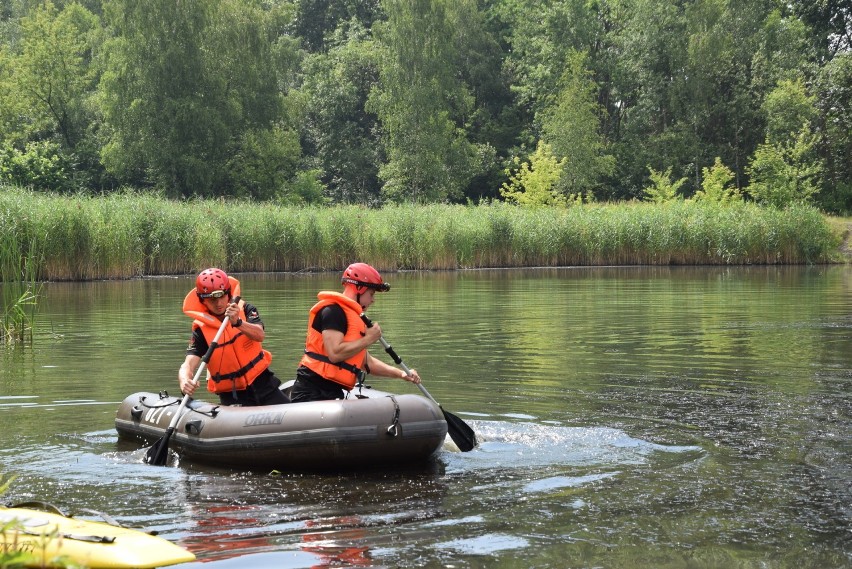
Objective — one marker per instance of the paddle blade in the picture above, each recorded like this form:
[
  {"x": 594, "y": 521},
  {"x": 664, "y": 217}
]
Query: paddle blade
[
  {"x": 460, "y": 432},
  {"x": 158, "y": 454}
]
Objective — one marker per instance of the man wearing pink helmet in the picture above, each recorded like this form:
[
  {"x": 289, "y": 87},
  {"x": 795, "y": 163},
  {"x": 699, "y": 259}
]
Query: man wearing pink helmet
[
  {"x": 336, "y": 357},
  {"x": 238, "y": 370}
]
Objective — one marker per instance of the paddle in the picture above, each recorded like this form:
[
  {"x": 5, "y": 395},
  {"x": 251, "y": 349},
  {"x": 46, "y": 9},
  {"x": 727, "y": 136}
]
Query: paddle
[
  {"x": 158, "y": 454},
  {"x": 459, "y": 431}
]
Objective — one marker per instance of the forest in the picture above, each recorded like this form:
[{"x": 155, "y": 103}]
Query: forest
[{"x": 376, "y": 102}]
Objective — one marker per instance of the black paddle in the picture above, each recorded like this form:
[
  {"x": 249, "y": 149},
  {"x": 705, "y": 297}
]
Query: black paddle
[
  {"x": 158, "y": 454},
  {"x": 459, "y": 431}
]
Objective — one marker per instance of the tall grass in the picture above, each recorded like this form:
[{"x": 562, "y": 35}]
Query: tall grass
[
  {"x": 21, "y": 256},
  {"x": 128, "y": 235}
]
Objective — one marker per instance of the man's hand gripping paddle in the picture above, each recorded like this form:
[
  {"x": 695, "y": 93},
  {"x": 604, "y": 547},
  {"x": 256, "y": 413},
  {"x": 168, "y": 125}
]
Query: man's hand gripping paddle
[
  {"x": 158, "y": 454},
  {"x": 459, "y": 431}
]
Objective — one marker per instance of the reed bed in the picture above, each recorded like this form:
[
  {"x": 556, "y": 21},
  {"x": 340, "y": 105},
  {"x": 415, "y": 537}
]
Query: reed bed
[
  {"x": 129, "y": 235},
  {"x": 21, "y": 255}
]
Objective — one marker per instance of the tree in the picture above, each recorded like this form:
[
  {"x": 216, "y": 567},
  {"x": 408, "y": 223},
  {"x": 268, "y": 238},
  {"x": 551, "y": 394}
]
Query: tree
[
  {"x": 834, "y": 124},
  {"x": 534, "y": 182},
  {"x": 190, "y": 88},
  {"x": 786, "y": 168},
  {"x": 783, "y": 174},
  {"x": 341, "y": 135},
  {"x": 714, "y": 184},
  {"x": 48, "y": 86},
  {"x": 317, "y": 21},
  {"x": 421, "y": 104},
  {"x": 662, "y": 189},
  {"x": 571, "y": 125}
]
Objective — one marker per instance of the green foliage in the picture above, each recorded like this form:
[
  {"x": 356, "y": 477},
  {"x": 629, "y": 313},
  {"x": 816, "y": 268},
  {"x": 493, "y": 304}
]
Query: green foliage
[
  {"x": 714, "y": 184},
  {"x": 782, "y": 174},
  {"x": 834, "y": 101},
  {"x": 571, "y": 124},
  {"x": 534, "y": 182},
  {"x": 40, "y": 166},
  {"x": 787, "y": 108},
  {"x": 344, "y": 135},
  {"x": 191, "y": 90},
  {"x": 53, "y": 73},
  {"x": 263, "y": 161},
  {"x": 420, "y": 101},
  {"x": 662, "y": 189}
]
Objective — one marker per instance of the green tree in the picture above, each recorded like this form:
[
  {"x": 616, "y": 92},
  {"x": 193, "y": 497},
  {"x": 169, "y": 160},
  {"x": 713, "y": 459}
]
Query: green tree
[
  {"x": 341, "y": 135},
  {"x": 534, "y": 182},
  {"x": 47, "y": 81},
  {"x": 421, "y": 103},
  {"x": 785, "y": 173},
  {"x": 786, "y": 168},
  {"x": 662, "y": 189},
  {"x": 834, "y": 123},
  {"x": 318, "y": 21},
  {"x": 715, "y": 184},
  {"x": 571, "y": 125},
  {"x": 189, "y": 90}
]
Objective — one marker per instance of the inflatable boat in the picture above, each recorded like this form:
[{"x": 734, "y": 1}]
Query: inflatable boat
[
  {"x": 39, "y": 535},
  {"x": 369, "y": 428}
]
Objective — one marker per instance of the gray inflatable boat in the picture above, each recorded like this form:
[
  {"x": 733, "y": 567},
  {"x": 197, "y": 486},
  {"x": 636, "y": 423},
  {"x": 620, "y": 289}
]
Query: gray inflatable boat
[{"x": 369, "y": 428}]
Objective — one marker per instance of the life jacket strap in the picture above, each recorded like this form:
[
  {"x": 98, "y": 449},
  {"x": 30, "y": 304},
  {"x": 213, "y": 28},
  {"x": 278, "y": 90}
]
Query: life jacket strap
[
  {"x": 358, "y": 372},
  {"x": 240, "y": 372}
]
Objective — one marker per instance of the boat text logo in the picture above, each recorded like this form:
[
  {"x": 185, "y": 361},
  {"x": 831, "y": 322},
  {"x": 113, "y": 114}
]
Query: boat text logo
[{"x": 259, "y": 419}]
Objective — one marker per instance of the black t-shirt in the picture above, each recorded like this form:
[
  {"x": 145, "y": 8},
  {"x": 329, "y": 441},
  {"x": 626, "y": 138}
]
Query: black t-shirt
[
  {"x": 198, "y": 343},
  {"x": 331, "y": 317}
]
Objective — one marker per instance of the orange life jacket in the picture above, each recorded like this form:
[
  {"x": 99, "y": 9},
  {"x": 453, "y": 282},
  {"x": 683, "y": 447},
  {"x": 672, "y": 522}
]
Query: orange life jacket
[
  {"x": 347, "y": 372},
  {"x": 237, "y": 360}
]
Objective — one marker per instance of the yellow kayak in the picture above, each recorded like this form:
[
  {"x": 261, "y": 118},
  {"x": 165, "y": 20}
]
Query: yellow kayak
[{"x": 48, "y": 539}]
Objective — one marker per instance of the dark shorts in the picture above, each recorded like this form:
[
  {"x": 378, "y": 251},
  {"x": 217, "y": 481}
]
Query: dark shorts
[
  {"x": 312, "y": 387},
  {"x": 264, "y": 390}
]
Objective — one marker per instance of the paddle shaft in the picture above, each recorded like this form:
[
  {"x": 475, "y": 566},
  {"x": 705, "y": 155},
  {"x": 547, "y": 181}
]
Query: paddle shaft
[
  {"x": 201, "y": 367},
  {"x": 389, "y": 349},
  {"x": 158, "y": 452},
  {"x": 459, "y": 431}
]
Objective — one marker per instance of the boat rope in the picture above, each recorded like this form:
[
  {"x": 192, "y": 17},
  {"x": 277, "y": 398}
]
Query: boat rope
[
  {"x": 393, "y": 430},
  {"x": 210, "y": 411}
]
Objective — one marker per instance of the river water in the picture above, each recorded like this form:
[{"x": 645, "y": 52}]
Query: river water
[{"x": 628, "y": 417}]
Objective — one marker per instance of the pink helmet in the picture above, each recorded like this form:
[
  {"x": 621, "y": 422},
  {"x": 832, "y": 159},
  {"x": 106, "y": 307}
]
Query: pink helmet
[
  {"x": 211, "y": 280},
  {"x": 362, "y": 276}
]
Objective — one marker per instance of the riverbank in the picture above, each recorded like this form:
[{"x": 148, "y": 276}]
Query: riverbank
[{"x": 132, "y": 235}]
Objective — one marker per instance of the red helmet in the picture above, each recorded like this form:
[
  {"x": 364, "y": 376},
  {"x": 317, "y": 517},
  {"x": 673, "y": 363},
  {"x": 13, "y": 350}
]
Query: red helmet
[
  {"x": 211, "y": 280},
  {"x": 362, "y": 276}
]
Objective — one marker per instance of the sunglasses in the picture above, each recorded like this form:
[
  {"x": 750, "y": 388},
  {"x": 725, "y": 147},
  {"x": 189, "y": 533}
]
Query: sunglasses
[{"x": 215, "y": 294}]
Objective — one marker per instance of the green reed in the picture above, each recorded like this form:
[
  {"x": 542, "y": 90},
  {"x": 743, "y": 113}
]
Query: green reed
[
  {"x": 21, "y": 255},
  {"x": 127, "y": 235}
]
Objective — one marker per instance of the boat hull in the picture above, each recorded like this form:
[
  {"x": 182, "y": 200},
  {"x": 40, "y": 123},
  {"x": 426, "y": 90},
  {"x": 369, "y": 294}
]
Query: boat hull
[
  {"x": 46, "y": 539},
  {"x": 377, "y": 428}
]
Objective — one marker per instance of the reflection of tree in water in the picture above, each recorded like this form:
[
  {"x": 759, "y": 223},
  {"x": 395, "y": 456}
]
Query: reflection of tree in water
[{"x": 334, "y": 517}]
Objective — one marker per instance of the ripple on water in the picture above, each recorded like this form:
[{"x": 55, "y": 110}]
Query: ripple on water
[
  {"x": 507, "y": 445},
  {"x": 484, "y": 544}
]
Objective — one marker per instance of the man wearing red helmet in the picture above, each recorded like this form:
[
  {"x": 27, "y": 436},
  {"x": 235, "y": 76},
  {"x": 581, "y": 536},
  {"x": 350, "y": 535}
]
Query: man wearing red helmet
[
  {"x": 336, "y": 357},
  {"x": 238, "y": 370}
]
